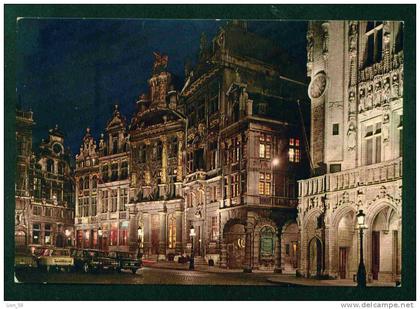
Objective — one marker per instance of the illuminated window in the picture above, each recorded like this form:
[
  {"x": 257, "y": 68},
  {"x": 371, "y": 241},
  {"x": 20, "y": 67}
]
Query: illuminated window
[
  {"x": 123, "y": 231},
  {"x": 123, "y": 199},
  {"x": 172, "y": 231},
  {"x": 265, "y": 147},
  {"x": 264, "y": 184},
  {"x": 294, "y": 150},
  {"x": 400, "y": 134},
  {"x": 235, "y": 185}
]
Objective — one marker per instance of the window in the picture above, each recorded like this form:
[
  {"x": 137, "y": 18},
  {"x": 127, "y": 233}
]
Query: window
[
  {"x": 123, "y": 199},
  {"x": 124, "y": 170},
  {"x": 294, "y": 150},
  {"x": 213, "y": 153},
  {"x": 400, "y": 135},
  {"x": 87, "y": 239},
  {"x": 79, "y": 239},
  {"x": 36, "y": 233},
  {"x": 214, "y": 229},
  {"x": 235, "y": 185},
  {"x": 142, "y": 153},
  {"x": 114, "y": 200},
  {"x": 173, "y": 147},
  {"x": 105, "y": 202},
  {"x": 48, "y": 232},
  {"x": 114, "y": 144},
  {"x": 86, "y": 182},
  {"x": 61, "y": 168},
  {"x": 114, "y": 171},
  {"x": 94, "y": 183},
  {"x": 334, "y": 168},
  {"x": 37, "y": 187},
  {"x": 373, "y": 144},
  {"x": 172, "y": 231},
  {"x": 93, "y": 203},
  {"x": 374, "y": 34},
  {"x": 264, "y": 185},
  {"x": 123, "y": 239},
  {"x": 159, "y": 149},
  {"x": 265, "y": 147},
  {"x": 113, "y": 235},
  {"x": 105, "y": 173},
  {"x": 335, "y": 129},
  {"x": 50, "y": 166}
]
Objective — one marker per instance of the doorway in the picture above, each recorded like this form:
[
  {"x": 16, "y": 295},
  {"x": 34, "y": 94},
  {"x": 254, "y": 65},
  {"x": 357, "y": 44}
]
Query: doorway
[
  {"x": 343, "y": 262},
  {"x": 375, "y": 254}
]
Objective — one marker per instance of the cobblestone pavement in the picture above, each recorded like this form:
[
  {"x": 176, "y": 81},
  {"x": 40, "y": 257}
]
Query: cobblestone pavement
[{"x": 147, "y": 276}]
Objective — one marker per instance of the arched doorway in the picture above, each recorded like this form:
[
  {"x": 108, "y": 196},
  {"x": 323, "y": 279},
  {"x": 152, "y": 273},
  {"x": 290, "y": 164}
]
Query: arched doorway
[
  {"x": 315, "y": 257},
  {"x": 235, "y": 245},
  {"x": 386, "y": 245},
  {"x": 345, "y": 236},
  {"x": 290, "y": 247},
  {"x": 267, "y": 244}
]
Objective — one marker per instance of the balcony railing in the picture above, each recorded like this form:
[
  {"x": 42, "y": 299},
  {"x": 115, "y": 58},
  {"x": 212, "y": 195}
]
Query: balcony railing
[
  {"x": 364, "y": 175},
  {"x": 200, "y": 175}
]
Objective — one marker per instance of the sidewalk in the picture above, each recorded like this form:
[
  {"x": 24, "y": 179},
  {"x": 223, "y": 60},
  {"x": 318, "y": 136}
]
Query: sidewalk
[
  {"x": 293, "y": 280},
  {"x": 271, "y": 277}
]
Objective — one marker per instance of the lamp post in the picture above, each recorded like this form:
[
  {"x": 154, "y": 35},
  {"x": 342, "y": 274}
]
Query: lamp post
[
  {"x": 100, "y": 237},
  {"x": 139, "y": 241},
  {"x": 192, "y": 234},
  {"x": 361, "y": 272},
  {"x": 274, "y": 164},
  {"x": 67, "y": 233}
]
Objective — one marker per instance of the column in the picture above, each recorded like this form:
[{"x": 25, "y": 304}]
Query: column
[
  {"x": 278, "y": 262},
  {"x": 248, "y": 250},
  {"x": 164, "y": 159},
  {"x": 178, "y": 245},
  {"x": 146, "y": 234},
  {"x": 162, "y": 236},
  {"x": 179, "y": 174}
]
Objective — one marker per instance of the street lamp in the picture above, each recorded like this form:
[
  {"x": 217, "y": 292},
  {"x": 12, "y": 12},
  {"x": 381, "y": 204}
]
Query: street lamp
[
  {"x": 139, "y": 241},
  {"x": 192, "y": 234},
  {"x": 67, "y": 233},
  {"x": 274, "y": 164},
  {"x": 361, "y": 272},
  {"x": 100, "y": 237}
]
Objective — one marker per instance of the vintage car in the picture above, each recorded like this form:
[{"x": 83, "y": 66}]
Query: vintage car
[
  {"x": 89, "y": 260},
  {"x": 126, "y": 261},
  {"x": 25, "y": 259},
  {"x": 56, "y": 259}
]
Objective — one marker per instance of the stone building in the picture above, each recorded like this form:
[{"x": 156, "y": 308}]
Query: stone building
[
  {"x": 356, "y": 91},
  {"x": 244, "y": 152},
  {"x": 44, "y": 189},
  {"x": 102, "y": 188},
  {"x": 222, "y": 155}
]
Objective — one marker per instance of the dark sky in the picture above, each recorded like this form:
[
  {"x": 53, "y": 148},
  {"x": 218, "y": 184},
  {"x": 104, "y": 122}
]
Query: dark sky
[{"x": 71, "y": 72}]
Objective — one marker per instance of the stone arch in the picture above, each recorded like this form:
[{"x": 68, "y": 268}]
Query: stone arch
[
  {"x": 383, "y": 241},
  {"x": 314, "y": 257},
  {"x": 265, "y": 243},
  {"x": 342, "y": 211},
  {"x": 234, "y": 239},
  {"x": 290, "y": 246},
  {"x": 344, "y": 249}
]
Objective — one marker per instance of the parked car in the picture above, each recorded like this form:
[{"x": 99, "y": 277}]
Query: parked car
[
  {"x": 24, "y": 259},
  {"x": 126, "y": 261},
  {"x": 89, "y": 260},
  {"x": 56, "y": 259}
]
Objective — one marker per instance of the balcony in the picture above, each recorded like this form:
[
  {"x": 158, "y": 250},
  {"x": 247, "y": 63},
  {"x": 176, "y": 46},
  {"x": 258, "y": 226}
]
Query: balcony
[
  {"x": 199, "y": 175},
  {"x": 361, "y": 176}
]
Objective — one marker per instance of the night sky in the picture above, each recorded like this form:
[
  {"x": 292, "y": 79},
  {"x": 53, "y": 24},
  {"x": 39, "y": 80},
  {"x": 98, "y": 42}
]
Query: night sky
[{"x": 71, "y": 72}]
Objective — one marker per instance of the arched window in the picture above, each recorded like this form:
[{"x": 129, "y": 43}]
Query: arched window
[
  {"x": 94, "y": 182},
  {"x": 86, "y": 182},
  {"x": 50, "y": 166},
  {"x": 172, "y": 231},
  {"x": 266, "y": 243}
]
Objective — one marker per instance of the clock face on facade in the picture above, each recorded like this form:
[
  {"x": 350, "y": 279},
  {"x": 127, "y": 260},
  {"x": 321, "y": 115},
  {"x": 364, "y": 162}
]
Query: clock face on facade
[
  {"x": 318, "y": 86},
  {"x": 57, "y": 148}
]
